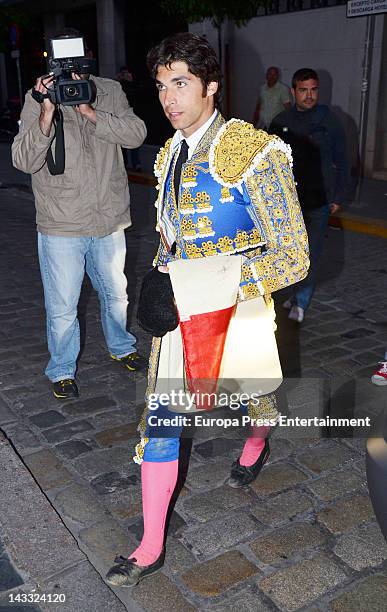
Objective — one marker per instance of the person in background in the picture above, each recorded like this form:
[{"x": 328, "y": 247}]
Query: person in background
[
  {"x": 274, "y": 97},
  {"x": 380, "y": 376},
  {"x": 125, "y": 78},
  {"x": 320, "y": 168}
]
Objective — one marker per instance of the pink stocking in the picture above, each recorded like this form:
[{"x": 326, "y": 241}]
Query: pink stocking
[
  {"x": 158, "y": 483},
  {"x": 254, "y": 445}
]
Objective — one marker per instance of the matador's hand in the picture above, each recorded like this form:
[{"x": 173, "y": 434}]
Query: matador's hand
[{"x": 163, "y": 269}]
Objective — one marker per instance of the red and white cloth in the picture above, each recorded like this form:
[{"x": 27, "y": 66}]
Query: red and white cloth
[{"x": 219, "y": 345}]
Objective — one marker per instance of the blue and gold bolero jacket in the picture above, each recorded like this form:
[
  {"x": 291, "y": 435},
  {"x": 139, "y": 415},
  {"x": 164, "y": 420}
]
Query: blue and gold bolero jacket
[{"x": 237, "y": 195}]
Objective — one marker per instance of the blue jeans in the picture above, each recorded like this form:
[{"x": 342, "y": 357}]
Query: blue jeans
[
  {"x": 316, "y": 223},
  {"x": 63, "y": 261}
]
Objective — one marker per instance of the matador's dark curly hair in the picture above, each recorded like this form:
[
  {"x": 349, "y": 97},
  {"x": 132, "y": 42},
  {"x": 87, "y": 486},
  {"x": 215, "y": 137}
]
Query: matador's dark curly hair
[{"x": 192, "y": 49}]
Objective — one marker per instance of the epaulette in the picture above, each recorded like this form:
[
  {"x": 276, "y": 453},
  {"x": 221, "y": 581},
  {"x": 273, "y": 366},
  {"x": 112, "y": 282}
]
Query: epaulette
[
  {"x": 161, "y": 159},
  {"x": 237, "y": 150}
]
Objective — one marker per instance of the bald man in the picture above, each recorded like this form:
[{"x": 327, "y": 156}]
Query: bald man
[{"x": 274, "y": 97}]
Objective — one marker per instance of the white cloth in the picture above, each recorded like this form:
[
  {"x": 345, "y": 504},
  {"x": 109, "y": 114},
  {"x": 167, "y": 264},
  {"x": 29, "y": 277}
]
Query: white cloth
[
  {"x": 250, "y": 361},
  {"x": 205, "y": 285}
]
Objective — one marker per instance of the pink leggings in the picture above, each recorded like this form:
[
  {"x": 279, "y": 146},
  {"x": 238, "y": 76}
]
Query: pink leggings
[{"x": 158, "y": 480}]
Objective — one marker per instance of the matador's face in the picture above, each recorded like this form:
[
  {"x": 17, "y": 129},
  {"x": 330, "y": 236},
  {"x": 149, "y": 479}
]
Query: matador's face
[{"x": 185, "y": 101}]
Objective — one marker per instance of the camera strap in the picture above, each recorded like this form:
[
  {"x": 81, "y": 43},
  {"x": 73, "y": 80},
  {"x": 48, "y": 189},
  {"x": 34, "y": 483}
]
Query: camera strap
[
  {"x": 38, "y": 96},
  {"x": 57, "y": 166}
]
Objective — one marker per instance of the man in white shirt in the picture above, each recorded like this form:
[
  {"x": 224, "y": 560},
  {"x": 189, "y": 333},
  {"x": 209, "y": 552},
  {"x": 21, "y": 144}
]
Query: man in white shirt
[{"x": 274, "y": 97}]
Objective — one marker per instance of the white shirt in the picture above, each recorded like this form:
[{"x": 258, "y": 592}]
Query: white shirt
[
  {"x": 272, "y": 101},
  {"x": 193, "y": 140}
]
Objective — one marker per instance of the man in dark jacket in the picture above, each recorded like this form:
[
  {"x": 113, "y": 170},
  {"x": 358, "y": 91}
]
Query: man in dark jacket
[{"x": 317, "y": 139}]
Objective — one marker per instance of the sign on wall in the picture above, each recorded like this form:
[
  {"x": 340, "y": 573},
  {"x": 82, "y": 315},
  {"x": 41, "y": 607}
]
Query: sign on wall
[{"x": 358, "y": 8}]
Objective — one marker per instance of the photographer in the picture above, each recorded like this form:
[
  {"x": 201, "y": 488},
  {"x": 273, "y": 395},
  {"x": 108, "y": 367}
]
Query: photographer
[{"x": 81, "y": 213}]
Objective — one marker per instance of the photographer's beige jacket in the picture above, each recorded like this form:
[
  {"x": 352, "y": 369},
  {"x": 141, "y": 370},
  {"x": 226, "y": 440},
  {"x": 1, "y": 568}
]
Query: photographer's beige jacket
[{"x": 91, "y": 198}]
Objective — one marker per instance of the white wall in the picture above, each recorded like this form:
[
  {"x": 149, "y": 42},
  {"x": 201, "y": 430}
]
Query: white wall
[{"x": 323, "y": 39}]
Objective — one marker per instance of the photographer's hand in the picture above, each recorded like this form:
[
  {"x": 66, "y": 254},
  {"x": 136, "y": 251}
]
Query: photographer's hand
[
  {"x": 47, "y": 108},
  {"x": 84, "y": 109}
]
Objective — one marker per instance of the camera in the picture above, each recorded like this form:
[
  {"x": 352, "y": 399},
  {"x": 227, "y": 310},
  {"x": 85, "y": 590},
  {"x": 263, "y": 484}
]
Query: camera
[{"x": 68, "y": 55}]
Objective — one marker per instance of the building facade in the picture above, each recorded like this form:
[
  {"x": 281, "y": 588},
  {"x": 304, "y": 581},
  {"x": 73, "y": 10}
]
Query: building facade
[{"x": 323, "y": 39}]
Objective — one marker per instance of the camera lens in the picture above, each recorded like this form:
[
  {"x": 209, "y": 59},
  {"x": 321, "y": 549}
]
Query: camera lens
[{"x": 71, "y": 91}]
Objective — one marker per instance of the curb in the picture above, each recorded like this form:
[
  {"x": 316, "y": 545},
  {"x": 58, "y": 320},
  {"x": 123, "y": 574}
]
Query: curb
[{"x": 363, "y": 225}]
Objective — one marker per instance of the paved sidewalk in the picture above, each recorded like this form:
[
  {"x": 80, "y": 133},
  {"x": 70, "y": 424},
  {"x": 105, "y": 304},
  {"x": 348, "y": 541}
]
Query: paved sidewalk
[
  {"x": 302, "y": 537},
  {"x": 37, "y": 552}
]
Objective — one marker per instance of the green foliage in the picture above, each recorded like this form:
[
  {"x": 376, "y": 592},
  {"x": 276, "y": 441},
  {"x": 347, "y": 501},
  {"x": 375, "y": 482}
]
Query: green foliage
[{"x": 216, "y": 10}]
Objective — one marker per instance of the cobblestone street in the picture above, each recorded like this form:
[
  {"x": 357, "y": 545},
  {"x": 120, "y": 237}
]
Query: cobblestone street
[{"x": 302, "y": 537}]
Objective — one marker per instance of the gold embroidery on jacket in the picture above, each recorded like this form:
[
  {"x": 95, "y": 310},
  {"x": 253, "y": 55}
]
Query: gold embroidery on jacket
[
  {"x": 187, "y": 203},
  {"x": 241, "y": 239},
  {"x": 226, "y": 195},
  {"x": 239, "y": 149},
  {"x": 286, "y": 258},
  {"x": 236, "y": 150},
  {"x": 152, "y": 378},
  {"x": 265, "y": 408},
  {"x": 204, "y": 226},
  {"x": 203, "y": 201},
  {"x": 193, "y": 251},
  {"x": 188, "y": 176}
]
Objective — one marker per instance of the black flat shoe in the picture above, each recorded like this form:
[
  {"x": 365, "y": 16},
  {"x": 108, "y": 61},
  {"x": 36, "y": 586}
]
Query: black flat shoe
[
  {"x": 241, "y": 476},
  {"x": 127, "y": 574}
]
